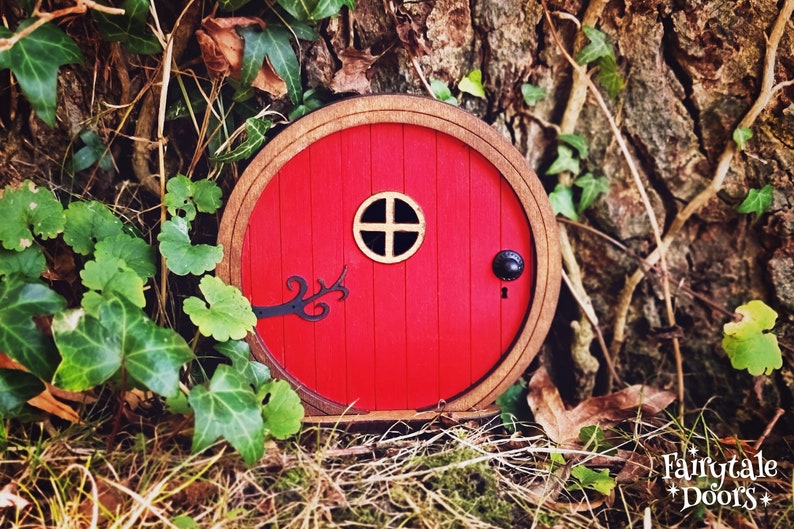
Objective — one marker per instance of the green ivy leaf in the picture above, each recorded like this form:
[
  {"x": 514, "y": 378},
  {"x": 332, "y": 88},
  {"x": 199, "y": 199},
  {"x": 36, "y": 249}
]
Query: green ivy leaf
[
  {"x": 231, "y": 5},
  {"x": 577, "y": 142},
  {"x": 228, "y": 315},
  {"x": 20, "y": 301},
  {"x": 741, "y": 136},
  {"x": 513, "y": 406},
  {"x": 278, "y": 40},
  {"x": 87, "y": 223},
  {"x": 594, "y": 439},
  {"x": 330, "y": 8},
  {"x": 111, "y": 275},
  {"x": 472, "y": 84},
  {"x": 565, "y": 161},
  {"x": 597, "y": 47},
  {"x": 35, "y": 60},
  {"x": 562, "y": 202},
  {"x": 94, "y": 151},
  {"x": 314, "y": 10},
  {"x": 283, "y": 412},
  {"x": 94, "y": 349},
  {"x": 599, "y": 481},
  {"x": 16, "y": 388},
  {"x": 746, "y": 343},
  {"x": 311, "y": 101},
  {"x": 181, "y": 256},
  {"x": 29, "y": 263},
  {"x": 238, "y": 351},
  {"x": 532, "y": 94},
  {"x": 609, "y": 75},
  {"x": 90, "y": 356},
  {"x": 228, "y": 408},
  {"x": 136, "y": 253},
  {"x": 130, "y": 28},
  {"x": 591, "y": 188},
  {"x": 256, "y": 130},
  {"x": 28, "y": 210},
  {"x": 185, "y": 196},
  {"x": 757, "y": 201},
  {"x": 442, "y": 92}
]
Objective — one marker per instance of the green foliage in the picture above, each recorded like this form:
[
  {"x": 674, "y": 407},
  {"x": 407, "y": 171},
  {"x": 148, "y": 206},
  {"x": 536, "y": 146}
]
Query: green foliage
[
  {"x": 578, "y": 143},
  {"x": 283, "y": 411},
  {"x": 311, "y": 101},
  {"x": 594, "y": 440},
  {"x": 275, "y": 43},
  {"x": 562, "y": 202},
  {"x": 95, "y": 349},
  {"x": 757, "y": 201},
  {"x": 108, "y": 275},
  {"x": 741, "y": 135},
  {"x": 130, "y": 28},
  {"x": 185, "y": 197},
  {"x": 86, "y": 223},
  {"x": 35, "y": 59},
  {"x": 532, "y": 94},
  {"x": 28, "y": 211},
  {"x": 513, "y": 406},
  {"x": 28, "y": 264},
  {"x": 442, "y": 92},
  {"x": 597, "y": 48},
  {"x": 226, "y": 313},
  {"x": 93, "y": 152},
  {"x": 565, "y": 161},
  {"x": 20, "y": 301},
  {"x": 137, "y": 255},
  {"x": 16, "y": 388},
  {"x": 600, "y": 51},
  {"x": 592, "y": 188},
  {"x": 183, "y": 257},
  {"x": 256, "y": 130},
  {"x": 314, "y": 10},
  {"x": 472, "y": 84},
  {"x": 238, "y": 351},
  {"x": 748, "y": 344},
  {"x": 228, "y": 408},
  {"x": 597, "y": 480}
]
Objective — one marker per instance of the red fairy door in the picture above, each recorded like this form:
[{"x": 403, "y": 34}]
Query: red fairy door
[{"x": 391, "y": 264}]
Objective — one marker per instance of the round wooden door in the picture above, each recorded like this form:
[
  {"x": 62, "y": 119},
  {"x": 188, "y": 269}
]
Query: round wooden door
[{"x": 395, "y": 258}]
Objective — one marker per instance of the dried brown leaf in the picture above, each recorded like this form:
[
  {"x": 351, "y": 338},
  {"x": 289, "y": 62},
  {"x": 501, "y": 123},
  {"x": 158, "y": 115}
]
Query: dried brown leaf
[
  {"x": 410, "y": 33},
  {"x": 45, "y": 400},
  {"x": 355, "y": 74},
  {"x": 222, "y": 49},
  {"x": 10, "y": 498},
  {"x": 563, "y": 425}
]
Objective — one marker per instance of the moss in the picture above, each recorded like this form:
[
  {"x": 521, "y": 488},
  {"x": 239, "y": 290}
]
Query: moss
[{"x": 472, "y": 487}]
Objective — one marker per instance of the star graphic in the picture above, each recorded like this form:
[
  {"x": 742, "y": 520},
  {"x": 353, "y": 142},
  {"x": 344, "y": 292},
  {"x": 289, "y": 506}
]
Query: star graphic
[
  {"x": 673, "y": 490},
  {"x": 693, "y": 450},
  {"x": 765, "y": 499}
]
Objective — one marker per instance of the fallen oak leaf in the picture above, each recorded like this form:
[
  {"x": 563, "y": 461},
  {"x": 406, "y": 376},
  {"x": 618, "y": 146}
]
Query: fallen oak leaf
[{"x": 563, "y": 426}]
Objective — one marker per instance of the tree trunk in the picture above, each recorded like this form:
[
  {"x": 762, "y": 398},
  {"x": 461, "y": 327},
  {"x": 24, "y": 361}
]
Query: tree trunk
[{"x": 691, "y": 70}]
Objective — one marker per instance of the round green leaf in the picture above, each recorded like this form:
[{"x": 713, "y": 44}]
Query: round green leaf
[
  {"x": 27, "y": 211},
  {"x": 226, "y": 313}
]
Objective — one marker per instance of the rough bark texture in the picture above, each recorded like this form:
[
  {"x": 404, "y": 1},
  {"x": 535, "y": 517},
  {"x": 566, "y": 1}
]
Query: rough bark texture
[{"x": 692, "y": 69}]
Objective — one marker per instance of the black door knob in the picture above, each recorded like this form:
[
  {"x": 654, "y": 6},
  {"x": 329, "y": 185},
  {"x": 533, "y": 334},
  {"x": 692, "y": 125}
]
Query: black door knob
[{"x": 508, "y": 265}]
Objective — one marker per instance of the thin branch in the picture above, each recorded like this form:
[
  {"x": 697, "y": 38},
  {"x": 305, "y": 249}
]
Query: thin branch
[{"x": 80, "y": 8}]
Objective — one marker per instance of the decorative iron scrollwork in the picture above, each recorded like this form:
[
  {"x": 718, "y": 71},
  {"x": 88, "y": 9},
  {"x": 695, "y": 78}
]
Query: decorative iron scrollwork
[{"x": 297, "y": 305}]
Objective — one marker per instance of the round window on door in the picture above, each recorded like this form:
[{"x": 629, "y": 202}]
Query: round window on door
[{"x": 389, "y": 227}]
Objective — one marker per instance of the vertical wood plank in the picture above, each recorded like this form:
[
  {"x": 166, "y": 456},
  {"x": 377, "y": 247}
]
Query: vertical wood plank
[
  {"x": 389, "y": 279},
  {"x": 454, "y": 265},
  {"x": 297, "y": 247},
  {"x": 327, "y": 225},
  {"x": 486, "y": 288},
  {"x": 356, "y": 186},
  {"x": 263, "y": 272},
  {"x": 516, "y": 236},
  {"x": 421, "y": 281}
]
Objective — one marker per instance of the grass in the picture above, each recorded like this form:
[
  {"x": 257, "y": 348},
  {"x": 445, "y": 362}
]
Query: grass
[{"x": 451, "y": 476}]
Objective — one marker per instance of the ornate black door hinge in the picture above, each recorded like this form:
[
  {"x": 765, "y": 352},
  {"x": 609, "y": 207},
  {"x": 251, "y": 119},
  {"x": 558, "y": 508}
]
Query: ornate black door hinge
[{"x": 297, "y": 305}]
